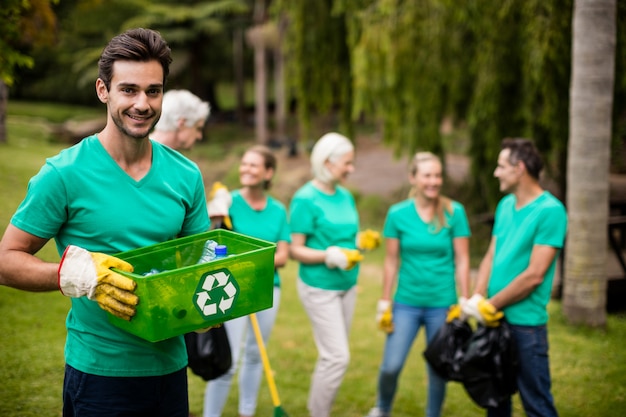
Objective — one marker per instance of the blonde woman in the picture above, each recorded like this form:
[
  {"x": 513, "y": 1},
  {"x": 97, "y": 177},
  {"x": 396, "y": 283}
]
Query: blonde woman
[
  {"x": 324, "y": 228},
  {"x": 427, "y": 256}
]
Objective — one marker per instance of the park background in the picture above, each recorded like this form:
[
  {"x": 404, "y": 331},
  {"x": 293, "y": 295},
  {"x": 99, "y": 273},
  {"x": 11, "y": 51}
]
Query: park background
[{"x": 396, "y": 76}]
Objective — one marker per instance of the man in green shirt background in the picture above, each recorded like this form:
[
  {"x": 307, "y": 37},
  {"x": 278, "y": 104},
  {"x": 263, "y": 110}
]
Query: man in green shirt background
[{"x": 517, "y": 271}]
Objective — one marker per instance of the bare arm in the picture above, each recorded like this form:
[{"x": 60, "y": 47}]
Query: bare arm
[
  {"x": 540, "y": 260},
  {"x": 282, "y": 254},
  {"x": 303, "y": 254},
  {"x": 462, "y": 264},
  {"x": 484, "y": 269},
  {"x": 390, "y": 266},
  {"x": 19, "y": 268}
]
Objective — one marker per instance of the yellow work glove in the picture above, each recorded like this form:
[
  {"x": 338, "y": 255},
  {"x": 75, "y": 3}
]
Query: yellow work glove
[
  {"x": 219, "y": 203},
  {"x": 206, "y": 329},
  {"x": 368, "y": 239},
  {"x": 384, "y": 316},
  {"x": 456, "y": 311},
  {"x": 483, "y": 311},
  {"x": 82, "y": 273},
  {"x": 342, "y": 258}
]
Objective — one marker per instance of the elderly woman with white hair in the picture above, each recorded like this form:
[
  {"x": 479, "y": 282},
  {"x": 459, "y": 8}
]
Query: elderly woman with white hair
[
  {"x": 325, "y": 224},
  {"x": 182, "y": 120}
]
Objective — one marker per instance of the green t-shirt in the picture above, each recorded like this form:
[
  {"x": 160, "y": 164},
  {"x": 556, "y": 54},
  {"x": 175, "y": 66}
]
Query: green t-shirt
[
  {"x": 326, "y": 220},
  {"x": 541, "y": 222},
  {"x": 82, "y": 197},
  {"x": 269, "y": 224},
  {"x": 426, "y": 277}
]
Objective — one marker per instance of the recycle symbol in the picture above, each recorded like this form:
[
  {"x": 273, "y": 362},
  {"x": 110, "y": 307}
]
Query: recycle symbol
[{"x": 216, "y": 293}]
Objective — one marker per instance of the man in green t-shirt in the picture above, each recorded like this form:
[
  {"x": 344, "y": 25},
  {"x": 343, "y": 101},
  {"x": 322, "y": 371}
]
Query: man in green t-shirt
[
  {"x": 517, "y": 271},
  {"x": 114, "y": 191}
]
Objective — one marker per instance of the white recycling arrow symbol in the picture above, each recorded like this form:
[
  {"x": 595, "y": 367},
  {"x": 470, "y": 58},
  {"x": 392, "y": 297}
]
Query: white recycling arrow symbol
[{"x": 212, "y": 281}]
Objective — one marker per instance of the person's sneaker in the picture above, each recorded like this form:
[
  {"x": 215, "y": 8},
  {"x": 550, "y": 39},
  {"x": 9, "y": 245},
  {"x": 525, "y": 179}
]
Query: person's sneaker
[{"x": 377, "y": 412}]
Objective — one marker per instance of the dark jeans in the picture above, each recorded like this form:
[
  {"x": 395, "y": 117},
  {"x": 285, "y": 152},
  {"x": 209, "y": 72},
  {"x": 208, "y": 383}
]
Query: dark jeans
[
  {"x": 87, "y": 395},
  {"x": 533, "y": 379}
]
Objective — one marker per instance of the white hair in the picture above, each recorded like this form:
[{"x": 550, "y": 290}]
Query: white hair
[
  {"x": 329, "y": 147},
  {"x": 181, "y": 104}
]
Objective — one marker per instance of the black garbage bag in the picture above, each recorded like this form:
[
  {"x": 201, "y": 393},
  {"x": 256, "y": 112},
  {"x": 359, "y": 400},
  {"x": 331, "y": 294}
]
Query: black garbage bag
[
  {"x": 489, "y": 366},
  {"x": 209, "y": 353},
  {"x": 446, "y": 349}
]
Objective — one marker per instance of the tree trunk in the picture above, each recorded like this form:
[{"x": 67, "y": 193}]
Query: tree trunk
[
  {"x": 239, "y": 75},
  {"x": 279, "y": 84},
  {"x": 591, "y": 104},
  {"x": 260, "y": 75},
  {"x": 4, "y": 99},
  {"x": 260, "y": 94}
]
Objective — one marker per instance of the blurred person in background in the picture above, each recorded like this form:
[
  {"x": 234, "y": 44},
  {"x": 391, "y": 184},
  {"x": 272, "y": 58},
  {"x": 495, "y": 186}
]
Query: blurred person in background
[
  {"x": 426, "y": 259},
  {"x": 324, "y": 224},
  {"x": 253, "y": 212},
  {"x": 515, "y": 277},
  {"x": 182, "y": 120}
]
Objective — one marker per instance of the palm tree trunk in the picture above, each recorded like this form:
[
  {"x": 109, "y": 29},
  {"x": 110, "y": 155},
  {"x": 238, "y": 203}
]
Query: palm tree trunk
[{"x": 591, "y": 104}]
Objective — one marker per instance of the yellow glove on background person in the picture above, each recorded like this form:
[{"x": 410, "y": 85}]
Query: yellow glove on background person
[
  {"x": 219, "y": 203},
  {"x": 384, "y": 316},
  {"x": 82, "y": 273},
  {"x": 342, "y": 258},
  {"x": 483, "y": 311},
  {"x": 368, "y": 239},
  {"x": 456, "y": 311}
]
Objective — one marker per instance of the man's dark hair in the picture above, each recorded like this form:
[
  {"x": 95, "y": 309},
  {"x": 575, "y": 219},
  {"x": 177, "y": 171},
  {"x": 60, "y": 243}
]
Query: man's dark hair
[
  {"x": 524, "y": 150},
  {"x": 134, "y": 45}
]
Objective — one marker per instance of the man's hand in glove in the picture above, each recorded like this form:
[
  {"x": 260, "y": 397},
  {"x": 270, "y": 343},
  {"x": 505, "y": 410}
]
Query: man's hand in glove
[
  {"x": 457, "y": 311},
  {"x": 368, "y": 239},
  {"x": 384, "y": 316},
  {"x": 82, "y": 273},
  {"x": 483, "y": 311},
  {"x": 342, "y": 258},
  {"x": 219, "y": 203}
]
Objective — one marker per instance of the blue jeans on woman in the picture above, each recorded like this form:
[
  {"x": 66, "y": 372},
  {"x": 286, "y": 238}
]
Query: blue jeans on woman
[
  {"x": 533, "y": 378},
  {"x": 407, "y": 321}
]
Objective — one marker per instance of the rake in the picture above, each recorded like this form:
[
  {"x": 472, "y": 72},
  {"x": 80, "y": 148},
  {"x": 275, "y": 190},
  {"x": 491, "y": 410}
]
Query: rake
[{"x": 278, "y": 410}]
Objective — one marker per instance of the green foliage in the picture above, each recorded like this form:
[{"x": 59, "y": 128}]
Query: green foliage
[
  {"x": 199, "y": 33},
  {"x": 24, "y": 24},
  {"x": 184, "y": 21},
  {"x": 502, "y": 68},
  {"x": 395, "y": 77},
  {"x": 66, "y": 71},
  {"x": 319, "y": 62}
]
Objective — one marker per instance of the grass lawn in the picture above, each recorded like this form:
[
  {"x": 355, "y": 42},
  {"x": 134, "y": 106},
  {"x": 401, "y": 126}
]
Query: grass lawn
[{"x": 588, "y": 366}]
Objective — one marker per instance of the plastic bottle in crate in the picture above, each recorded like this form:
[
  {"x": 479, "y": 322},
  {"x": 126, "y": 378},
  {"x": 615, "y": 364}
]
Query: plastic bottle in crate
[
  {"x": 221, "y": 251},
  {"x": 211, "y": 251}
]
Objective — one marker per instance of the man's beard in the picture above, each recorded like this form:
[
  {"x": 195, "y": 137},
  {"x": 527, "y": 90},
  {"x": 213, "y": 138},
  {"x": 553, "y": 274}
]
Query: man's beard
[{"x": 120, "y": 126}]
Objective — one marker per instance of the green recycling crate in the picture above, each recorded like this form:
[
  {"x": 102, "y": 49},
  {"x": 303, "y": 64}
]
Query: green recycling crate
[{"x": 186, "y": 296}]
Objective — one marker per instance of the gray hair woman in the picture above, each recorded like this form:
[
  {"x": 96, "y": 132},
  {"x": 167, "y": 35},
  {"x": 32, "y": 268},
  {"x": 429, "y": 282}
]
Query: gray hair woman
[
  {"x": 182, "y": 120},
  {"x": 324, "y": 224}
]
